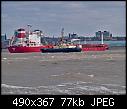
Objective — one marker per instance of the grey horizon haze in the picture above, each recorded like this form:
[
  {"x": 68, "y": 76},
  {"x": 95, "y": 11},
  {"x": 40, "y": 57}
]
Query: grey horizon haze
[{"x": 81, "y": 17}]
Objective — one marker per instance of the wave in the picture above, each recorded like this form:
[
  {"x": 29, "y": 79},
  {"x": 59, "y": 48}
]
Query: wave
[{"x": 71, "y": 88}]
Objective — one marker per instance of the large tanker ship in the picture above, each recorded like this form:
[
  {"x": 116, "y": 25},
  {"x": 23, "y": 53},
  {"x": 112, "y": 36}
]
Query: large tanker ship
[
  {"x": 26, "y": 41},
  {"x": 30, "y": 41}
]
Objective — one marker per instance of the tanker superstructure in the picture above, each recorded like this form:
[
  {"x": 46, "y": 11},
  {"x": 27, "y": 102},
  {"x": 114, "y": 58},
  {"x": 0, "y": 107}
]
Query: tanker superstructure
[{"x": 26, "y": 41}]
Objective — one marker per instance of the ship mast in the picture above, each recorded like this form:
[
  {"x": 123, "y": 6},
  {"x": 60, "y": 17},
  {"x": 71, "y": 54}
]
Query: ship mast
[{"x": 29, "y": 26}]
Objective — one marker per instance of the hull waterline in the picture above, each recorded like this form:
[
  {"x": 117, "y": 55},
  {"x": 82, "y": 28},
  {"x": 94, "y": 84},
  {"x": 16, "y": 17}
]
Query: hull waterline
[
  {"x": 24, "y": 49},
  {"x": 57, "y": 50}
]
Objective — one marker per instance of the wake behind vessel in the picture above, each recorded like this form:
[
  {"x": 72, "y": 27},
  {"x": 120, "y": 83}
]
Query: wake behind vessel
[{"x": 26, "y": 41}]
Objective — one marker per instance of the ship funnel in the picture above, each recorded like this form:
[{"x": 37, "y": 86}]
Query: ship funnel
[{"x": 20, "y": 33}]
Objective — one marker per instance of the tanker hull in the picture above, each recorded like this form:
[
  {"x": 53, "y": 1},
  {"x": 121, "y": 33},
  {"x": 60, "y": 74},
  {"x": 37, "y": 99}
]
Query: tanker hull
[{"x": 25, "y": 49}]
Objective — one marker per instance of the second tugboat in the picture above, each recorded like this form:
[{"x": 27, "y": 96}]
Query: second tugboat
[
  {"x": 70, "y": 46},
  {"x": 62, "y": 47},
  {"x": 27, "y": 41}
]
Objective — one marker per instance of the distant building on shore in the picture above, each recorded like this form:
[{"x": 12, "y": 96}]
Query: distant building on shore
[
  {"x": 73, "y": 35},
  {"x": 98, "y": 34},
  {"x": 3, "y": 37},
  {"x": 106, "y": 34}
]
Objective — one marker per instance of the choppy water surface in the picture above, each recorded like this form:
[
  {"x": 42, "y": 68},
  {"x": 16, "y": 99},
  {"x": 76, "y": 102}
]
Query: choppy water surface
[
  {"x": 85, "y": 73},
  {"x": 75, "y": 88}
]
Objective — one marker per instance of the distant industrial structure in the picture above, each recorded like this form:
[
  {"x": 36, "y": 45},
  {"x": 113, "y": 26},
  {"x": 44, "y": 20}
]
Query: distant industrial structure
[
  {"x": 3, "y": 37},
  {"x": 4, "y": 41}
]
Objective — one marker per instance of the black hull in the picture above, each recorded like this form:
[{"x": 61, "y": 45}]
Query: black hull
[{"x": 56, "y": 50}]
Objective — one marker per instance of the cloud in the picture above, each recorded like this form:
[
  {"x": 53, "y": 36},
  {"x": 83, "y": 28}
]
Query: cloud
[{"x": 75, "y": 16}]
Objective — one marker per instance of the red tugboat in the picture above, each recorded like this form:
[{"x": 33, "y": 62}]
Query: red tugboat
[
  {"x": 69, "y": 46},
  {"x": 26, "y": 41}
]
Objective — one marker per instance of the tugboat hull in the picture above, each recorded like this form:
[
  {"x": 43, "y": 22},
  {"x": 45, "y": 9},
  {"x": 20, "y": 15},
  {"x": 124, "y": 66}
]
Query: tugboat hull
[{"x": 56, "y": 50}]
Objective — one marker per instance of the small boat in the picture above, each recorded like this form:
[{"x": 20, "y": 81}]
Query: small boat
[
  {"x": 62, "y": 47},
  {"x": 56, "y": 50}
]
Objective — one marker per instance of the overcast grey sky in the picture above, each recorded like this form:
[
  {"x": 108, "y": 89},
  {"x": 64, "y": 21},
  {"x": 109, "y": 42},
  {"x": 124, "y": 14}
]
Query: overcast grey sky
[{"x": 81, "y": 17}]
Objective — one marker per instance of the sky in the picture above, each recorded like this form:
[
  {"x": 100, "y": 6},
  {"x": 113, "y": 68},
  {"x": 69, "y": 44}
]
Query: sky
[{"x": 81, "y": 17}]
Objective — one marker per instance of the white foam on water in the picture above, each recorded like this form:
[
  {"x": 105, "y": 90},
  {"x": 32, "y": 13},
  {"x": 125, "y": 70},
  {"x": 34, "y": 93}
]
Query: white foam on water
[
  {"x": 16, "y": 59},
  {"x": 15, "y": 87},
  {"x": 68, "y": 83},
  {"x": 114, "y": 85},
  {"x": 91, "y": 75},
  {"x": 101, "y": 89},
  {"x": 55, "y": 75},
  {"x": 81, "y": 82},
  {"x": 62, "y": 91},
  {"x": 67, "y": 88},
  {"x": 61, "y": 85},
  {"x": 123, "y": 86}
]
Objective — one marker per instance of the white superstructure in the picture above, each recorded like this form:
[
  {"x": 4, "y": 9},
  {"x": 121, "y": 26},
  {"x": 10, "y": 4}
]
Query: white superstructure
[{"x": 26, "y": 38}]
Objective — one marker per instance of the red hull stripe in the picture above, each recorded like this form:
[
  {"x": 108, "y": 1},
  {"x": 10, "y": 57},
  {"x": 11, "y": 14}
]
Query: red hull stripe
[{"x": 15, "y": 49}]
